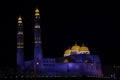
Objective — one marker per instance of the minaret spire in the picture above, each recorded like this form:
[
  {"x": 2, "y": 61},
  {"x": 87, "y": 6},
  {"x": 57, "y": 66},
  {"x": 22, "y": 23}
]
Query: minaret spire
[
  {"x": 37, "y": 37},
  {"x": 19, "y": 20},
  {"x": 20, "y": 43},
  {"x": 37, "y": 33},
  {"x": 37, "y": 12}
]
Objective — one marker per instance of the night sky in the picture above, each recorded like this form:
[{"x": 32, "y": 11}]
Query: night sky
[{"x": 62, "y": 24}]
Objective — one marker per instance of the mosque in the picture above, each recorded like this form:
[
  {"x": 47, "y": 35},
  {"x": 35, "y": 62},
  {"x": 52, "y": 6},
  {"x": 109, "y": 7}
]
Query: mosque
[{"x": 76, "y": 61}]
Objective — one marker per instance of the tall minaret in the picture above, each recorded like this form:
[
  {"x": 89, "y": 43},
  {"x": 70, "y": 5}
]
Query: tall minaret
[
  {"x": 37, "y": 37},
  {"x": 20, "y": 43}
]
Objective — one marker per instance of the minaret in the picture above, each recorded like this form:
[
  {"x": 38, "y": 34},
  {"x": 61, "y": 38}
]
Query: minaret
[
  {"x": 20, "y": 43},
  {"x": 37, "y": 37}
]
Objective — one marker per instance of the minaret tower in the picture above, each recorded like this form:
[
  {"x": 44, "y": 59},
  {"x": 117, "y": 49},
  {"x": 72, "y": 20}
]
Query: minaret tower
[
  {"x": 37, "y": 37},
  {"x": 20, "y": 43}
]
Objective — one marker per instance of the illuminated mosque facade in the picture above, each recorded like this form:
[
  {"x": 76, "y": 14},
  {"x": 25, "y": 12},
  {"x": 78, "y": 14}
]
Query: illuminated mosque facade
[{"x": 77, "y": 60}]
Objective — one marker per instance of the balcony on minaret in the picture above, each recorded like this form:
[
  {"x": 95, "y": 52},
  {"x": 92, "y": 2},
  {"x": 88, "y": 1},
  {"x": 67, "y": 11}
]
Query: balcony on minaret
[
  {"x": 37, "y": 26},
  {"x": 20, "y": 33}
]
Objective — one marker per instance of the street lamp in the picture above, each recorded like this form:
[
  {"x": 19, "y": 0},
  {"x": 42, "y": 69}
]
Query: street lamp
[{"x": 35, "y": 65}]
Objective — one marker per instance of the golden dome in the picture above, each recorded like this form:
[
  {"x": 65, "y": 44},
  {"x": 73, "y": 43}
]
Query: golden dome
[
  {"x": 84, "y": 48},
  {"x": 75, "y": 47},
  {"x": 67, "y": 51}
]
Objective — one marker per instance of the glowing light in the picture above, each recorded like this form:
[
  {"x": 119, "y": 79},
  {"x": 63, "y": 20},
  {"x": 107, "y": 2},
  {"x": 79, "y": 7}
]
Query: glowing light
[
  {"x": 19, "y": 19},
  {"x": 37, "y": 26},
  {"x": 20, "y": 32},
  {"x": 84, "y": 48},
  {"x": 67, "y": 52},
  {"x": 91, "y": 64},
  {"x": 19, "y": 22},
  {"x": 66, "y": 55},
  {"x": 37, "y": 63},
  {"x": 36, "y": 11},
  {"x": 69, "y": 66},
  {"x": 75, "y": 47},
  {"x": 37, "y": 14},
  {"x": 84, "y": 52}
]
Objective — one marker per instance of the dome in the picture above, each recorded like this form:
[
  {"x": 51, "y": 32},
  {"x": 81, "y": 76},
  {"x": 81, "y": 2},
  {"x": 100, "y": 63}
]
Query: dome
[
  {"x": 84, "y": 48},
  {"x": 67, "y": 52},
  {"x": 75, "y": 47}
]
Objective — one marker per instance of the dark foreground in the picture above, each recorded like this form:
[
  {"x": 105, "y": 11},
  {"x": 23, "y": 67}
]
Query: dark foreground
[{"x": 59, "y": 78}]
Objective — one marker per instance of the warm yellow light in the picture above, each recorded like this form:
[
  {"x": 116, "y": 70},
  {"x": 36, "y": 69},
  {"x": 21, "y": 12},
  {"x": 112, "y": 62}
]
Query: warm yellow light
[
  {"x": 68, "y": 51},
  {"x": 83, "y": 48},
  {"x": 36, "y": 11},
  {"x": 19, "y": 22},
  {"x": 19, "y": 19},
  {"x": 75, "y": 47},
  {"x": 37, "y": 14}
]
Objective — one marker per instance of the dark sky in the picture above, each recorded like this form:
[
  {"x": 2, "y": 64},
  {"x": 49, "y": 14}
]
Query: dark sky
[{"x": 62, "y": 24}]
